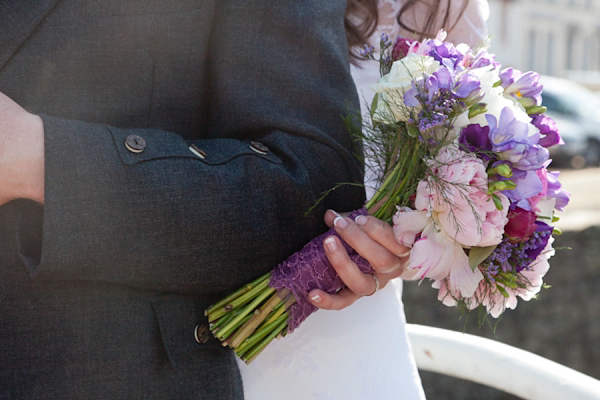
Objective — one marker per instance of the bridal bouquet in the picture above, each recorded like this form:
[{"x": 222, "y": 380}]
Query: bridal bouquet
[{"x": 461, "y": 150}]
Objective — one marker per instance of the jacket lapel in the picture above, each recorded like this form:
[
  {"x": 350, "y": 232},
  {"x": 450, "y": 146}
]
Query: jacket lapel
[{"x": 18, "y": 20}]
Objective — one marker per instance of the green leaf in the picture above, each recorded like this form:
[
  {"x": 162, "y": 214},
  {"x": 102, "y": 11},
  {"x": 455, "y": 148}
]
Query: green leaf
[
  {"x": 374, "y": 104},
  {"x": 478, "y": 254},
  {"x": 413, "y": 131}
]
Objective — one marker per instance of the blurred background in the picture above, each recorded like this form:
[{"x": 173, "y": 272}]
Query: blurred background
[{"x": 559, "y": 39}]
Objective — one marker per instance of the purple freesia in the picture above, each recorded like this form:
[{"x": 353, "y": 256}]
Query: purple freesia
[
  {"x": 548, "y": 130},
  {"x": 525, "y": 87},
  {"x": 483, "y": 59},
  {"x": 528, "y": 184},
  {"x": 534, "y": 158},
  {"x": 556, "y": 191},
  {"x": 509, "y": 136},
  {"x": 466, "y": 85},
  {"x": 474, "y": 138},
  {"x": 445, "y": 53}
]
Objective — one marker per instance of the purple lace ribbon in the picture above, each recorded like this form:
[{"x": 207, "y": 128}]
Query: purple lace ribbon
[{"x": 310, "y": 269}]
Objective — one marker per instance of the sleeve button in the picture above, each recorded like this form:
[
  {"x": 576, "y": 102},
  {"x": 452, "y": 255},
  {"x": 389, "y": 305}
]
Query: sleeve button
[
  {"x": 135, "y": 143},
  {"x": 259, "y": 148},
  {"x": 201, "y": 334}
]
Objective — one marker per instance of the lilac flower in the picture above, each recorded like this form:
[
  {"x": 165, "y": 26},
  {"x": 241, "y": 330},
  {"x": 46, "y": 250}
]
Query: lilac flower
[
  {"x": 525, "y": 87},
  {"x": 514, "y": 256},
  {"x": 385, "y": 40},
  {"x": 434, "y": 95},
  {"x": 538, "y": 241},
  {"x": 367, "y": 51},
  {"x": 474, "y": 138},
  {"x": 548, "y": 130}
]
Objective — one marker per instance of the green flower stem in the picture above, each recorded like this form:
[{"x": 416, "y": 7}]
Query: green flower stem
[
  {"x": 394, "y": 191},
  {"x": 260, "y": 334},
  {"x": 244, "y": 289},
  {"x": 264, "y": 293},
  {"x": 280, "y": 309},
  {"x": 252, "y": 354},
  {"x": 258, "y": 317},
  {"x": 223, "y": 320},
  {"x": 235, "y": 326},
  {"x": 241, "y": 300}
]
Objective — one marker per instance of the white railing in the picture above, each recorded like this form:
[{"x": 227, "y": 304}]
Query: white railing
[{"x": 498, "y": 365}]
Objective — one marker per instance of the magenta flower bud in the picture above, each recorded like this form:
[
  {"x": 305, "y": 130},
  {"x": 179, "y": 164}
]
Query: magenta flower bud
[
  {"x": 521, "y": 225},
  {"x": 401, "y": 48}
]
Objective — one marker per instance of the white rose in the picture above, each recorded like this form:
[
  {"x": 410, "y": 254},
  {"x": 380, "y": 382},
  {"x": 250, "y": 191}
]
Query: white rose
[
  {"x": 495, "y": 101},
  {"x": 391, "y": 87}
]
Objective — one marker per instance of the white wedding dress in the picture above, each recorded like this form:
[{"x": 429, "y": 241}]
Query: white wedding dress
[{"x": 361, "y": 352}]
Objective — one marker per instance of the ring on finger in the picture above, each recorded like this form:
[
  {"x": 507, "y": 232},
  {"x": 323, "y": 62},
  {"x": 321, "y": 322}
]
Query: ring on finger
[{"x": 376, "y": 279}]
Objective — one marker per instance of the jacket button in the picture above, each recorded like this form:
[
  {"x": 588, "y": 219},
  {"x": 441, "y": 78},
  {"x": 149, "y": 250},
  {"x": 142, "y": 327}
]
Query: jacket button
[
  {"x": 135, "y": 143},
  {"x": 201, "y": 334},
  {"x": 259, "y": 148}
]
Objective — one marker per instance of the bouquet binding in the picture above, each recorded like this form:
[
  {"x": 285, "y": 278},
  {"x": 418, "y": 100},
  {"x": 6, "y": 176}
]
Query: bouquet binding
[{"x": 461, "y": 148}]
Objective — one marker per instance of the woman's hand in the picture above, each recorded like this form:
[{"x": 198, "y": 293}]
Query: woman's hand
[{"x": 374, "y": 240}]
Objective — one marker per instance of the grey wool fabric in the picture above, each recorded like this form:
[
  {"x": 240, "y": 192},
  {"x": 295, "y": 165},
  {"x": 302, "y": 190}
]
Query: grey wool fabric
[{"x": 101, "y": 288}]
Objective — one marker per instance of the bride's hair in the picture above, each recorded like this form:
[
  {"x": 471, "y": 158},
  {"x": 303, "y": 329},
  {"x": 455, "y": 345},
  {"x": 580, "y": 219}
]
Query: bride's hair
[{"x": 362, "y": 17}]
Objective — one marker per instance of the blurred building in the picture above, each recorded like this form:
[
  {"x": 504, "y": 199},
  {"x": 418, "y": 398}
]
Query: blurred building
[{"x": 552, "y": 37}]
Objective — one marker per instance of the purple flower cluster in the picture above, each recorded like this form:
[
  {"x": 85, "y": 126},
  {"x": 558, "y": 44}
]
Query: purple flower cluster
[
  {"x": 435, "y": 110},
  {"x": 515, "y": 257}
]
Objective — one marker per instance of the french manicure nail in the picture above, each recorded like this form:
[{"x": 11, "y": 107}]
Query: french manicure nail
[
  {"x": 340, "y": 222},
  {"x": 336, "y": 213},
  {"x": 331, "y": 244},
  {"x": 360, "y": 220}
]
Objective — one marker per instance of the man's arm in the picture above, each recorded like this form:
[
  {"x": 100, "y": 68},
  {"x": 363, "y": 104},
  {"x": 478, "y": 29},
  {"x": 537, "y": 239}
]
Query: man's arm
[{"x": 166, "y": 218}]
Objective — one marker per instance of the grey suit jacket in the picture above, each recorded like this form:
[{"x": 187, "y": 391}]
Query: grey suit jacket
[{"x": 102, "y": 287}]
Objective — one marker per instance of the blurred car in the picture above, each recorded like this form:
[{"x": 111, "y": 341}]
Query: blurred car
[{"x": 576, "y": 111}]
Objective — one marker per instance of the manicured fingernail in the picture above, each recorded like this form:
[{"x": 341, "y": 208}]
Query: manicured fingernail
[
  {"x": 331, "y": 244},
  {"x": 316, "y": 298},
  {"x": 360, "y": 220},
  {"x": 340, "y": 222},
  {"x": 335, "y": 212}
]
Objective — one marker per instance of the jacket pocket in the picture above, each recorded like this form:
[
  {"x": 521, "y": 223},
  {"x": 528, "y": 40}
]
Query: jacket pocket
[{"x": 179, "y": 317}]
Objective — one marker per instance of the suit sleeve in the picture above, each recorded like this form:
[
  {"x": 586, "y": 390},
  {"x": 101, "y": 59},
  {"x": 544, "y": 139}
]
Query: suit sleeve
[{"x": 138, "y": 207}]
